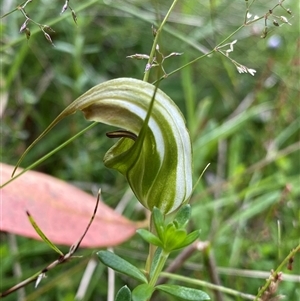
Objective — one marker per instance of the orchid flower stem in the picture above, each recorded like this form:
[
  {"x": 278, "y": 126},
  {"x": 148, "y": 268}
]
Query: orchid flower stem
[
  {"x": 152, "y": 248},
  {"x": 152, "y": 53}
]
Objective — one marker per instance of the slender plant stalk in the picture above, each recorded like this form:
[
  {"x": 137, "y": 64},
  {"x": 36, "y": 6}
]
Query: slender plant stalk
[
  {"x": 277, "y": 271},
  {"x": 209, "y": 285},
  {"x": 151, "y": 227},
  {"x": 36, "y": 163},
  {"x": 152, "y": 53},
  {"x": 164, "y": 255},
  {"x": 12, "y": 11},
  {"x": 152, "y": 248}
]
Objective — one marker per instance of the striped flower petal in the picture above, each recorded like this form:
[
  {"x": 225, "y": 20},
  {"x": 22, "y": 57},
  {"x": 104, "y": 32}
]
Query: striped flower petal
[{"x": 155, "y": 159}]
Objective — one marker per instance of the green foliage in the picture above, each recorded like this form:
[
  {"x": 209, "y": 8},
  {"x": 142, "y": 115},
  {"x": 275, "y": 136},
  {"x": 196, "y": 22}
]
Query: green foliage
[
  {"x": 246, "y": 127},
  {"x": 170, "y": 236},
  {"x": 117, "y": 263}
]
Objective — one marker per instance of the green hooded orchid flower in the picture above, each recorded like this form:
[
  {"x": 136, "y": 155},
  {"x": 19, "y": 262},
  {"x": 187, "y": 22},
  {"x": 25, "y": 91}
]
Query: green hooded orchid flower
[{"x": 154, "y": 152}]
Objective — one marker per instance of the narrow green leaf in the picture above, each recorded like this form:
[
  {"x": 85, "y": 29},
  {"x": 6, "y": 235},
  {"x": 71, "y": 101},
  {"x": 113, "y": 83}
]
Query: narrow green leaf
[
  {"x": 121, "y": 265},
  {"x": 183, "y": 216},
  {"x": 143, "y": 292},
  {"x": 43, "y": 236},
  {"x": 182, "y": 292},
  {"x": 124, "y": 294},
  {"x": 149, "y": 237}
]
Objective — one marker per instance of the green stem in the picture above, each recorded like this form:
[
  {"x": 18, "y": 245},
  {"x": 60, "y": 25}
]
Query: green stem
[
  {"x": 187, "y": 64},
  {"x": 202, "y": 56},
  {"x": 160, "y": 265},
  {"x": 164, "y": 256},
  {"x": 278, "y": 270},
  {"x": 206, "y": 54},
  {"x": 152, "y": 53},
  {"x": 228, "y": 37},
  {"x": 152, "y": 248},
  {"x": 36, "y": 163},
  {"x": 202, "y": 283},
  {"x": 12, "y": 11}
]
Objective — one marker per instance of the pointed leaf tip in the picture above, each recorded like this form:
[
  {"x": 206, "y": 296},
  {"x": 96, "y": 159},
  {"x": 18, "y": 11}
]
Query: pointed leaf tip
[{"x": 124, "y": 294}]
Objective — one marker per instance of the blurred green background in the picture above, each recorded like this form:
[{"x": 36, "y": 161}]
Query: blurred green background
[{"x": 246, "y": 127}]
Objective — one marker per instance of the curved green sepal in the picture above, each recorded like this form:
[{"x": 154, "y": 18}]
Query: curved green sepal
[
  {"x": 183, "y": 216},
  {"x": 121, "y": 265},
  {"x": 155, "y": 156},
  {"x": 182, "y": 292}
]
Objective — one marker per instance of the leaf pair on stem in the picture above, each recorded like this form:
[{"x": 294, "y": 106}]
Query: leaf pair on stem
[{"x": 170, "y": 236}]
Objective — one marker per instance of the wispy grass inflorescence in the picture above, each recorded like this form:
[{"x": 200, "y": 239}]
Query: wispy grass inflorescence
[
  {"x": 276, "y": 19},
  {"x": 24, "y": 28},
  {"x": 46, "y": 29},
  {"x": 240, "y": 68},
  {"x": 157, "y": 60},
  {"x": 67, "y": 6}
]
